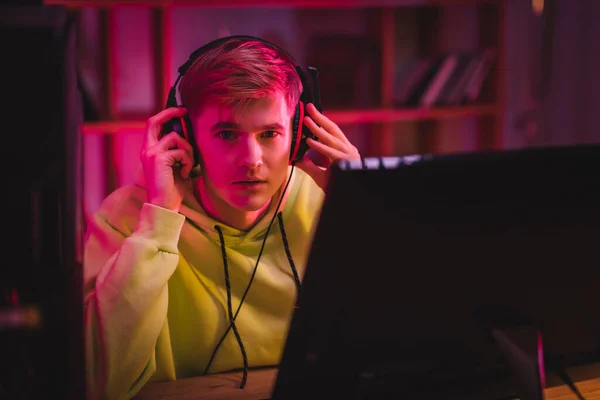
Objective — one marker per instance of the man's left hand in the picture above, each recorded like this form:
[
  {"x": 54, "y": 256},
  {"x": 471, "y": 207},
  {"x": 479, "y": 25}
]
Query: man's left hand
[{"x": 332, "y": 144}]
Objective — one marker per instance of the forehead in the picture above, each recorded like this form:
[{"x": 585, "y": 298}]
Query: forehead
[{"x": 258, "y": 114}]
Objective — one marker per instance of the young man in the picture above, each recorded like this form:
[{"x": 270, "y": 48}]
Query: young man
[{"x": 169, "y": 260}]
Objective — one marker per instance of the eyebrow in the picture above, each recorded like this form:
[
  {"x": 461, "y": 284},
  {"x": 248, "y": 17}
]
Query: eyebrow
[{"x": 233, "y": 126}]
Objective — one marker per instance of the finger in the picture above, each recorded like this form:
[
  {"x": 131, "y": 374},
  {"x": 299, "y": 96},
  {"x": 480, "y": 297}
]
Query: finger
[
  {"x": 318, "y": 158},
  {"x": 168, "y": 144},
  {"x": 321, "y": 133},
  {"x": 319, "y": 174},
  {"x": 325, "y": 122},
  {"x": 155, "y": 123},
  {"x": 309, "y": 166},
  {"x": 173, "y": 141},
  {"x": 179, "y": 158},
  {"x": 329, "y": 152}
]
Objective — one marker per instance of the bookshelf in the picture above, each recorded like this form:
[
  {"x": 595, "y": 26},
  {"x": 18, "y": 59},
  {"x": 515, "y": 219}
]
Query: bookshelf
[{"x": 383, "y": 120}]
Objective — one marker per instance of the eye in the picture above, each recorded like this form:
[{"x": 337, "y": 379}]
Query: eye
[
  {"x": 227, "y": 135},
  {"x": 269, "y": 134}
]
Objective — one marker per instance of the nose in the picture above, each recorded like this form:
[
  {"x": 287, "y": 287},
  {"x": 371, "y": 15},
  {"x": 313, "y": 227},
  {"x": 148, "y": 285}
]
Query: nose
[{"x": 250, "y": 152}]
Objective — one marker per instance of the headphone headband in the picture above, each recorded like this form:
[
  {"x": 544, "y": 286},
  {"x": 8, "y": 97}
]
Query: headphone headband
[
  {"x": 214, "y": 43},
  {"x": 172, "y": 97}
]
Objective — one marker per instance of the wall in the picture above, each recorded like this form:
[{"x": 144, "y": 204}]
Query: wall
[
  {"x": 569, "y": 109},
  {"x": 135, "y": 84}
]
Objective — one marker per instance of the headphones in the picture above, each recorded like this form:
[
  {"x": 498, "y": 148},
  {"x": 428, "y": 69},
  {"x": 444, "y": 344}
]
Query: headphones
[{"x": 310, "y": 94}]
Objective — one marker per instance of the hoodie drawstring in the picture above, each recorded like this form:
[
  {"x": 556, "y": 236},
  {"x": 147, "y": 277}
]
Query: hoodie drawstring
[
  {"x": 232, "y": 317},
  {"x": 230, "y": 311},
  {"x": 287, "y": 251}
]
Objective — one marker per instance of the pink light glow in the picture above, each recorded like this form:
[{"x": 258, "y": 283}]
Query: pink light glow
[{"x": 540, "y": 360}]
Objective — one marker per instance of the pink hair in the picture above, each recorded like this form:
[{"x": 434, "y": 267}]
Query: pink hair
[{"x": 238, "y": 72}]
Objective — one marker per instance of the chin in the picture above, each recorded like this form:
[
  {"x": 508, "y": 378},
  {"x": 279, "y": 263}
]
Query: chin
[{"x": 251, "y": 203}]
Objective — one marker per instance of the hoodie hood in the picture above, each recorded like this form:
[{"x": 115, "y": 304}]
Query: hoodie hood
[{"x": 196, "y": 215}]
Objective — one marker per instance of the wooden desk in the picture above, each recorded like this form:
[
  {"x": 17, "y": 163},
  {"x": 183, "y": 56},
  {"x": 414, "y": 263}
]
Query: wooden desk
[
  {"x": 260, "y": 383},
  {"x": 218, "y": 387}
]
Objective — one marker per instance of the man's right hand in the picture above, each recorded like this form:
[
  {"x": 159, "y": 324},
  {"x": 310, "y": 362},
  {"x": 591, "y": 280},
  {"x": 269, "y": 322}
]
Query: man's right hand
[{"x": 166, "y": 161}]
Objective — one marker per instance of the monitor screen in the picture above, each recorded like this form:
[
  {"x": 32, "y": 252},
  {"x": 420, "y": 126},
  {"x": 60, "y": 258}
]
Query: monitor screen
[{"x": 418, "y": 262}]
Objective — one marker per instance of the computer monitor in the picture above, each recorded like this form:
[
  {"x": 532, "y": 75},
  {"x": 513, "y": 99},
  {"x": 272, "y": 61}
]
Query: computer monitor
[
  {"x": 449, "y": 276},
  {"x": 41, "y": 301}
]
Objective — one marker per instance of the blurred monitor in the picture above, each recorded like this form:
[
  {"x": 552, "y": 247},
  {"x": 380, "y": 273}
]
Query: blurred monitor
[
  {"x": 41, "y": 307},
  {"x": 449, "y": 276}
]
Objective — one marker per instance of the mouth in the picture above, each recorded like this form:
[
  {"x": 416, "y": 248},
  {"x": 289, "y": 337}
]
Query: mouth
[
  {"x": 250, "y": 181},
  {"x": 250, "y": 184}
]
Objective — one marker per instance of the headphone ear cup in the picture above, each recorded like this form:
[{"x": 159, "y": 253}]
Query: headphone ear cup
[
  {"x": 299, "y": 147},
  {"x": 295, "y": 133},
  {"x": 187, "y": 132},
  {"x": 186, "y": 128}
]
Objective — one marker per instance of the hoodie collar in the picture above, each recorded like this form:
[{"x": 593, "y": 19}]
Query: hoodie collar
[{"x": 195, "y": 214}]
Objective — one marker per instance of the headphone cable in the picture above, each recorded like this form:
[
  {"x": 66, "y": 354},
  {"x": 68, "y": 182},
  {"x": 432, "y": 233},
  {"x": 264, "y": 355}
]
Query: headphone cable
[{"x": 564, "y": 376}]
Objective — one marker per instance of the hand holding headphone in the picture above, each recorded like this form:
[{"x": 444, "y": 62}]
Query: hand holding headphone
[{"x": 159, "y": 155}]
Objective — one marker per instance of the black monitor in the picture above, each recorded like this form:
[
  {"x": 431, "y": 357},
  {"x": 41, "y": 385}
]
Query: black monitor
[
  {"x": 449, "y": 276},
  {"x": 41, "y": 303}
]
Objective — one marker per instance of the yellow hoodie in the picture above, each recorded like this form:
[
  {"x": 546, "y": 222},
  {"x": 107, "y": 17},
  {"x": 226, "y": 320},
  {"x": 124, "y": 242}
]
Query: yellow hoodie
[{"x": 155, "y": 294}]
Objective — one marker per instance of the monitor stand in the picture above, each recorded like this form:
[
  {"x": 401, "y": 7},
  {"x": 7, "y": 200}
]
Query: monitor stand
[{"x": 522, "y": 349}]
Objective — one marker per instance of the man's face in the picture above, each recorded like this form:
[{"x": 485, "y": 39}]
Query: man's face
[{"x": 245, "y": 155}]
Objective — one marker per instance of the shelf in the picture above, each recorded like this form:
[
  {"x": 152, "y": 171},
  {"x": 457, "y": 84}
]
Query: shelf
[
  {"x": 340, "y": 117},
  {"x": 263, "y": 3},
  {"x": 408, "y": 114},
  {"x": 383, "y": 24}
]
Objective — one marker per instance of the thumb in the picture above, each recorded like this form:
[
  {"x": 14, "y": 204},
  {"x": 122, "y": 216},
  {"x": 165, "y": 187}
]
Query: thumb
[
  {"x": 308, "y": 166},
  {"x": 319, "y": 174}
]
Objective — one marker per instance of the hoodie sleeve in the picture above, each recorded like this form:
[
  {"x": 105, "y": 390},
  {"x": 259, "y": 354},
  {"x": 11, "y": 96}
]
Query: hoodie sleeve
[{"x": 126, "y": 298}]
